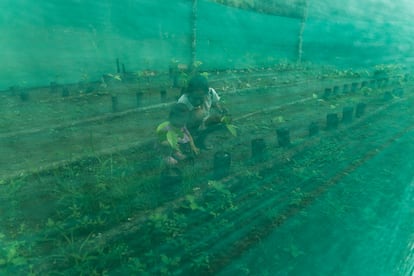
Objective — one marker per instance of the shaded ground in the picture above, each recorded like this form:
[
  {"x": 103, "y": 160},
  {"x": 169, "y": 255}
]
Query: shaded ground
[
  {"x": 105, "y": 212},
  {"x": 48, "y": 130}
]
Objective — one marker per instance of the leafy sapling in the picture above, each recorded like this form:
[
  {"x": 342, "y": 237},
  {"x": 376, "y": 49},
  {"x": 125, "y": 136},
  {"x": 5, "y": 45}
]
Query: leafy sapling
[{"x": 174, "y": 140}]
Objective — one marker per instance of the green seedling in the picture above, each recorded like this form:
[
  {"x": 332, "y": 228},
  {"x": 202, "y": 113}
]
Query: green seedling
[
  {"x": 9, "y": 253},
  {"x": 172, "y": 135},
  {"x": 226, "y": 120}
]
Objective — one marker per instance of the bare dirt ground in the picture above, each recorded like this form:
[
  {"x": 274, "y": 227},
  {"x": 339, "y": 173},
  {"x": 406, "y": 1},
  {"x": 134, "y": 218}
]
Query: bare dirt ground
[
  {"x": 80, "y": 181},
  {"x": 47, "y": 130}
]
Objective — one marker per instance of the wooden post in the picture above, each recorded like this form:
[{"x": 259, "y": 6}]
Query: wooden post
[
  {"x": 301, "y": 30},
  {"x": 193, "y": 35}
]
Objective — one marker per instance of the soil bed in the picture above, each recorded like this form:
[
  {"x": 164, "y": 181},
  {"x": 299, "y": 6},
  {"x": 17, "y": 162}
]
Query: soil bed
[{"x": 97, "y": 206}]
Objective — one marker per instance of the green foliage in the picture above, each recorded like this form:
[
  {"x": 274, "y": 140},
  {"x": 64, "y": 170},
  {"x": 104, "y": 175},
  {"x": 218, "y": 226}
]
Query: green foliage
[
  {"x": 219, "y": 186},
  {"x": 232, "y": 129},
  {"x": 192, "y": 203},
  {"x": 172, "y": 139},
  {"x": 297, "y": 197},
  {"x": 135, "y": 265},
  {"x": 171, "y": 135},
  {"x": 226, "y": 120},
  {"x": 10, "y": 252},
  {"x": 386, "y": 69}
]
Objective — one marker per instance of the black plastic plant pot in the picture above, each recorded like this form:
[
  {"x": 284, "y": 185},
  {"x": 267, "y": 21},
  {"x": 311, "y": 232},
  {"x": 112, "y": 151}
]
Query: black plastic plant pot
[
  {"x": 347, "y": 113},
  {"x": 170, "y": 181},
  {"x": 117, "y": 66},
  {"x": 336, "y": 90},
  {"x": 54, "y": 87},
  {"x": 398, "y": 92},
  {"x": 163, "y": 95},
  {"x": 406, "y": 77},
  {"x": 360, "y": 109},
  {"x": 283, "y": 136},
  {"x": 332, "y": 121},
  {"x": 327, "y": 93},
  {"x": 24, "y": 96},
  {"x": 379, "y": 83},
  {"x": 354, "y": 87},
  {"x": 114, "y": 100},
  {"x": 13, "y": 90},
  {"x": 364, "y": 84},
  {"x": 222, "y": 162},
  {"x": 313, "y": 129},
  {"x": 139, "y": 96},
  {"x": 65, "y": 92},
  {"x": 345, "y": 89},
  {"x": 258, "y": 149}
]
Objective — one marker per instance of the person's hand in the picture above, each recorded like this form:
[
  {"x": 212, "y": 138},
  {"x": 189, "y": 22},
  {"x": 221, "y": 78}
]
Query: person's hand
[
  {"x": 170, "y": 161},
  {"x": 226, "y": 119},
  {"x": 179, "y": 155},
  {"x": 223, "y": 111}
]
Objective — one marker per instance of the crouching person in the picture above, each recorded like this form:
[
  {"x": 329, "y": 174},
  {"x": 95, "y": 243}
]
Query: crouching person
[
  {"x": 174, "y": 140},
  {"x": 206, "y": 113},
  {"x": 175, "y": 145}
]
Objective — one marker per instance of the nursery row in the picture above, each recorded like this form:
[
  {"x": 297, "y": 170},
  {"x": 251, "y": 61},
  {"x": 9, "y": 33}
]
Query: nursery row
[
  {"x": 59, "y": 105},
  {"x": 44, "y": 144},
  {"x": 109, "y": 214}
]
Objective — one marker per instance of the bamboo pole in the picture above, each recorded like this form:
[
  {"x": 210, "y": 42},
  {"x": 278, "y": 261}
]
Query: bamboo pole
[
  {"x": 193, "y": 35},
  {"x": 301, "y": 30}
]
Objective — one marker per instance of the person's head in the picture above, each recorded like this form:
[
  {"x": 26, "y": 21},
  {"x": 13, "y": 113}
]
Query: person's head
[
  {"x": 179, "y": 115},
  {"x": 197, "y": 89}
]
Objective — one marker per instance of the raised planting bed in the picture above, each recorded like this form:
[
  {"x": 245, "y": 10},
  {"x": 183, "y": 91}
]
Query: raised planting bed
[
  {"x": 43, "y": 134},
  {"x": 103, "y": 211}
]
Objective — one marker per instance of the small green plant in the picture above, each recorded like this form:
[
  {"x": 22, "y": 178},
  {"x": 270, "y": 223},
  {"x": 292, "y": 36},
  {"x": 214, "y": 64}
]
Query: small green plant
[
  {"x": 10, "y": 252},
  {"x": 226, "y": 120},
  {"x": 297, "y": 197},
  {"x": 192, "y": 203},
  {"x": 172, "y": 134},
  {"x": 366, "y": 91},
  {"x": 386, "y": 69},
  {"x": 136, "y": 265}
]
